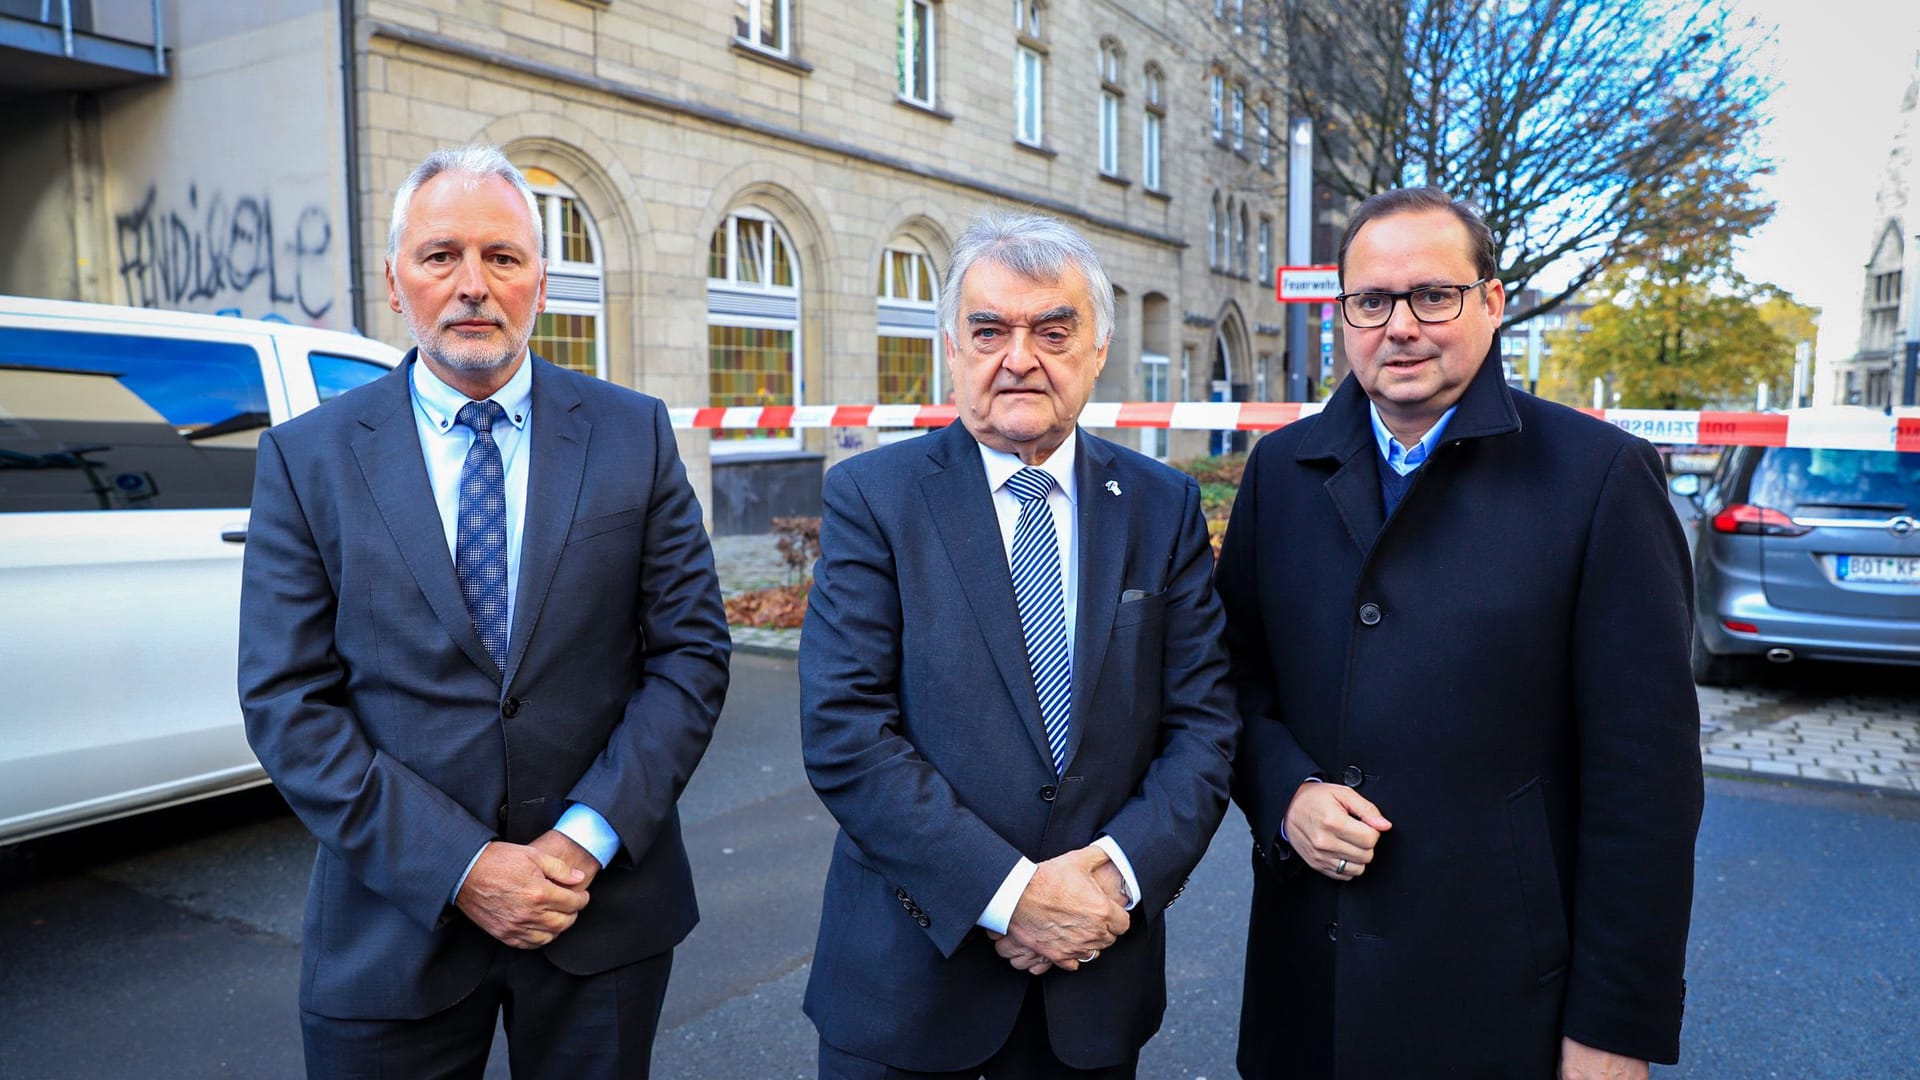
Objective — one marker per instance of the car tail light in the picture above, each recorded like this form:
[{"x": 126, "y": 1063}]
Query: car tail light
[
  {"x": 1757, "y": 521},
  {"x": 1740, "y": 627}
]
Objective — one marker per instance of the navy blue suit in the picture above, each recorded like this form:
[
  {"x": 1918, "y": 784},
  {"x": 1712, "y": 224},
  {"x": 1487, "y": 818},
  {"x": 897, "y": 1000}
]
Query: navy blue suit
[
  {"x": 923, "y": 736},
  {"x": 404, "y": 748}
]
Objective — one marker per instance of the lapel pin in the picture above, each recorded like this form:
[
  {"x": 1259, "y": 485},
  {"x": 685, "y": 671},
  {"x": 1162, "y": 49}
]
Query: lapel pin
[{"x": 1113, "y": 486}]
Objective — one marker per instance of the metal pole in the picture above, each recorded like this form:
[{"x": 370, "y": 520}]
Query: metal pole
[
  {"x": 66, "y": 26},
  {"x": 1299, "y": 248},
  {"x": 159, "y": 41}
]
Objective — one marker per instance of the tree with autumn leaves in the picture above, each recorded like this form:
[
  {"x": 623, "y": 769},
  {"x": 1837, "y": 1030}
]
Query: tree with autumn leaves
[{"x": 1674, "y": 325}]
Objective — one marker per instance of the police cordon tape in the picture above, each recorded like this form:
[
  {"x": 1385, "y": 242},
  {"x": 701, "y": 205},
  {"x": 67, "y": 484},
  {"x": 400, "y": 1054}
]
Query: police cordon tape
[{"x": 1844, "y": 430}]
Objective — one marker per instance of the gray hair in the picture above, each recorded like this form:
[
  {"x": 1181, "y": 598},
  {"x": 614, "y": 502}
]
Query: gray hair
[
  {"x": 1034, "y": 246},
  {"x": 476, "y": 161}
]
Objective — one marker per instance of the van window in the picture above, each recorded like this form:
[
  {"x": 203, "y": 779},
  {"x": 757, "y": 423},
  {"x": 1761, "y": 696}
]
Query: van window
[
  {"x": 335, "y": 375},
  {"x": 97, "y": 421}
]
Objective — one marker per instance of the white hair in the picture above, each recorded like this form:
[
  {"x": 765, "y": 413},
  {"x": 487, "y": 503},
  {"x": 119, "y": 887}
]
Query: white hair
[
  {"x": 476, "y": 161},
  {"x": 1034, "y": 246}
]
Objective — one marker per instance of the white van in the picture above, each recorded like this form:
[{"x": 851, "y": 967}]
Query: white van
[{"x": 127, "y": 446}]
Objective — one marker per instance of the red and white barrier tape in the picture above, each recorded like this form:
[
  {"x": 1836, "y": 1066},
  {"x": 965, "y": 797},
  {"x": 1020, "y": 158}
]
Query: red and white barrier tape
[{"x": 1847, "y": 431}]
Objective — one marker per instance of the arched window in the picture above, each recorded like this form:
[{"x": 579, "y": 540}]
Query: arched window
[
  {"x": 1154, "y": 85},
  {"x": 1240, "y": 242},
  {"x": 1213, "y": 233},
  {"x": 906, "y": 291},
  {"x": 1109, "y": 118},
  {"x": 572, "y": 332},
  {"x": 753, "y": 325}
]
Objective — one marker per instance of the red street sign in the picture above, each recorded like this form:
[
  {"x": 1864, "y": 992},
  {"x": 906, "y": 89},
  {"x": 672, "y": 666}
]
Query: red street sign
[{"x": 1307, "y": 284}]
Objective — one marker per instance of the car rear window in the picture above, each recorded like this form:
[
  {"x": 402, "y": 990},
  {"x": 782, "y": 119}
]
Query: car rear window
[
  {"x": 97, "y": 421},
  {"x": 1862, "y": 483}
]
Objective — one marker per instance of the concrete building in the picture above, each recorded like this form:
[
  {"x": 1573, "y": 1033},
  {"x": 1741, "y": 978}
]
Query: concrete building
[
  {"x": 746, "y": 203},
  {"x": 1878, "y": 374}
]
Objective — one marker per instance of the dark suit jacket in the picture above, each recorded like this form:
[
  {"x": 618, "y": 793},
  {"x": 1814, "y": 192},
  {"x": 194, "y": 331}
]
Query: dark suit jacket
[
  {"x": 1501, "y": 667},
  {"x": 923, "y": 737},
  {"x": 378, "y": 713}
]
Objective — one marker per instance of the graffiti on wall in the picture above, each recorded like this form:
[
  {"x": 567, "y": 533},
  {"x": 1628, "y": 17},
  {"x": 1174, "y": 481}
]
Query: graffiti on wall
[{"x": 222, "y": 250}]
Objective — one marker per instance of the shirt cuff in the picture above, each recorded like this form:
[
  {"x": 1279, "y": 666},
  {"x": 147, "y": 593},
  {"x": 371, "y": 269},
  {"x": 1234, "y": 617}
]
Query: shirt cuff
[
  {"x": 583, "y": 825},
  {"x": 1283, "y": 817},
  {"x": 458, "y": 885},
  {"x": 1000, "y": 909},
  {"x": 1112, "y": 847}
]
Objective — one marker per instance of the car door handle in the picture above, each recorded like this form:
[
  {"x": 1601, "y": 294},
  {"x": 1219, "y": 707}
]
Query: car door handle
[{"x": 234, "y": 536}]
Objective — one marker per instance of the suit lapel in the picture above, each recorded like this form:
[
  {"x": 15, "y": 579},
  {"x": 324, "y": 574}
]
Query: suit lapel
[
  {"x": 962, "y": 511},
  {"x": 1102, "y": 539},
  {"x": 554, "y": 473},
  {"x": 391, "y": 462},
  {"x": 1342, "y": 434}
]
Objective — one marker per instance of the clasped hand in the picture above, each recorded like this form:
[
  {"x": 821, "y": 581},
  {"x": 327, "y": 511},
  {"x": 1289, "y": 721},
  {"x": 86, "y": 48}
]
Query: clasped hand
[
  {"x": 1075, "y": 906},
  {"x": 527, "y": 895}
]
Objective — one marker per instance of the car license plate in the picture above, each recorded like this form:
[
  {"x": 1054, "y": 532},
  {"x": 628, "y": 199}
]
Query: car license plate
[{"x": 1883, "y": 568}]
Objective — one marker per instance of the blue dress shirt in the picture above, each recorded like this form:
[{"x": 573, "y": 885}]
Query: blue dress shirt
[{"x": 444, "y": 442}]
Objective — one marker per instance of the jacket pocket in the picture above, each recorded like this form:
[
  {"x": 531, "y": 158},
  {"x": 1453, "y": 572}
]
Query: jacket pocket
[
  {"x": 1539, "y": 879},
  {"x": 1137, "y": 609},
  {"x": 585, "y": 528}
]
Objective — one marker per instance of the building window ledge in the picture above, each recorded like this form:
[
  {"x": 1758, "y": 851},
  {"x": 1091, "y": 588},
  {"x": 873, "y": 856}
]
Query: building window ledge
[
  {"x": 780, "y": 60},
  {"x": 1037, "y": 148},
  {"x": 922, "y": 107}
]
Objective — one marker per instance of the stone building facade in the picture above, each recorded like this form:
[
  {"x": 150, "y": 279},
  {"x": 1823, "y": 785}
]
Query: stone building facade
[{"x": 748, "y": 202}]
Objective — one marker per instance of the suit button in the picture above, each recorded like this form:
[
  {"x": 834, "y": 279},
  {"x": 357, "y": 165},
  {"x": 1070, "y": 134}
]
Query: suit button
[
  {"x": 1352, "y": 777},
  {"x": 1047, "y": 793},
  {"x": 511, "y": 708},
  {"x": 501, "y": 816},
  {"x": 1333, "y": 931},
  {"x": 923, "y": 921},
  {"x": 900, "y": 894},
  {"x": 1370, "y": 614}
]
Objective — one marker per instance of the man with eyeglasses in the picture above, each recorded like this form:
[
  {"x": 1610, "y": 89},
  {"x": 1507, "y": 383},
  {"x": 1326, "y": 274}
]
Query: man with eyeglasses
[{"x": 1457, "y": 619}]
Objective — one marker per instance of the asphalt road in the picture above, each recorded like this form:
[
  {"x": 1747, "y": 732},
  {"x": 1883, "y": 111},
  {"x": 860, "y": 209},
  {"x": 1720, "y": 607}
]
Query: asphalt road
[{"x": 167, "y": 946}]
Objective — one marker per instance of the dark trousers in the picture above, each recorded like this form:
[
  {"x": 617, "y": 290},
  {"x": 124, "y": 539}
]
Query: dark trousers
[
  {"x": 558, "y": 1025},
  {"x": 1026, "y": 1055}
]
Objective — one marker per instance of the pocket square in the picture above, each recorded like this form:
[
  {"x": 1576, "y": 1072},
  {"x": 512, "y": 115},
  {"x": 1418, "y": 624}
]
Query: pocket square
[{"x": 1131, "y": 595}]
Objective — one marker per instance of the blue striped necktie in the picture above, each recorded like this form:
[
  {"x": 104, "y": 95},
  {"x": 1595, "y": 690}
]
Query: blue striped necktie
[
  {"x": 1038, "y": 593},
  {"x": 480, "y": 546}
]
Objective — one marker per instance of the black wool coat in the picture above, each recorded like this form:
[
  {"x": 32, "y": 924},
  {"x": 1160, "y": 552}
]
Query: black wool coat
[{"x": 1501, "y": 667}]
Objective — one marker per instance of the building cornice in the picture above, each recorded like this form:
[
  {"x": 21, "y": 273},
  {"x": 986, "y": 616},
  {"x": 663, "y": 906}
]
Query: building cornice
[{"x": 652, "y": 99}]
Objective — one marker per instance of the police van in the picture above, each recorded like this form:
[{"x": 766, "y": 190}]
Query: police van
[{"x": 127, "y": 448}]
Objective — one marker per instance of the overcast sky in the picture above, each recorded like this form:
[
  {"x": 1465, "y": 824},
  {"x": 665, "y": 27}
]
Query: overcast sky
[{"x": 1842, "y": 66}]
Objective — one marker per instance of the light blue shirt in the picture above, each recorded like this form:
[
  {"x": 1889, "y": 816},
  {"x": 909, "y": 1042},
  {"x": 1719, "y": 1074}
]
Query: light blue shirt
[
  {"x": 1404, "y": 460},
  {"x": 1061, "y": 501},
  {"x": 444, "y": 442}
]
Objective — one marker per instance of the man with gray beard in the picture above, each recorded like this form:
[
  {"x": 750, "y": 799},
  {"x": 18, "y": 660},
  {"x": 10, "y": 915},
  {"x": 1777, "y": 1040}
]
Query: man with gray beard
[{"x": 482, "y": 650}]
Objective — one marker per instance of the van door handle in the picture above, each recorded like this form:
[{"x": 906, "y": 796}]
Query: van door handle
[{"x": 234, "y": 536}]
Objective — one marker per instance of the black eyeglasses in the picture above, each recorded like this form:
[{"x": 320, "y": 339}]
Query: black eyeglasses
[{"x": 1429, "y": 304}]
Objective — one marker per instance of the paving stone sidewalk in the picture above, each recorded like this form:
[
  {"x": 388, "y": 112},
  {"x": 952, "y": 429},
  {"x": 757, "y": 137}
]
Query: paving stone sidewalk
[
  {"x": 1870, "y": 740},
  {"x": 1866, "y": 739}
]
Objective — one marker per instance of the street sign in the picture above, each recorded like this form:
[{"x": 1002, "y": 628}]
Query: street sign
[{"x": 1308, "y": 284}]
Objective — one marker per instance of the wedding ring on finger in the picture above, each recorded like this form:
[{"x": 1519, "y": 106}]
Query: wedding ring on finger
[
  {"x": 1340, "y": 868},
  {"x": 1090, "y": 957}
]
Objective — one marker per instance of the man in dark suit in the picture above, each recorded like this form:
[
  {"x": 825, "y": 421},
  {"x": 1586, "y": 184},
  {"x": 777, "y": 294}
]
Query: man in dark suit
[
  {"x": 1458, "y": 625},
  {"x": 481, "y": 651},
  {"x": 1012, "y": 702}
]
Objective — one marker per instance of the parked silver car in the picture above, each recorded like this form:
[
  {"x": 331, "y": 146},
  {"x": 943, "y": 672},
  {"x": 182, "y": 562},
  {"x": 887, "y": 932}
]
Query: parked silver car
[{"x": 1805, "y": 554}]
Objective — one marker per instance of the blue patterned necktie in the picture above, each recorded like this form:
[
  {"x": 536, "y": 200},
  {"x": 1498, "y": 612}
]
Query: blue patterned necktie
[
  {"x": 1038, "y": 593},
  {"x": 480, "y": 548}
]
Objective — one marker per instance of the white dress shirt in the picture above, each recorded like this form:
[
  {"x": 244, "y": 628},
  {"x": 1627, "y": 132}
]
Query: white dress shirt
[{"x": 1006, "y": 506}]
